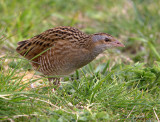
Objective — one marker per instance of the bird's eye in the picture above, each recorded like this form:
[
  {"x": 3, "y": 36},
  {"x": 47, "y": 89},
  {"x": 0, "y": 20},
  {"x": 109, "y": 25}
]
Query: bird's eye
[{"x": 107, "y": 40}]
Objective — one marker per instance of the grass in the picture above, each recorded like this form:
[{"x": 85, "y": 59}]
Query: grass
[{"x": 121, "y": 85}]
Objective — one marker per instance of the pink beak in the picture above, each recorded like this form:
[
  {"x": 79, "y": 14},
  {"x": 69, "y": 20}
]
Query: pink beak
[{"x": 118, "y": 44}]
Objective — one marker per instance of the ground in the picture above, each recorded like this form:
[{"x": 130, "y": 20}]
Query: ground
[{"x": 120, "y": 85}]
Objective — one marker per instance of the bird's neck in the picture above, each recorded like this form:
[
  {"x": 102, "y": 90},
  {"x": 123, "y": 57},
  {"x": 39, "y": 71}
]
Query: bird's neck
[
  {"x": 94, "y": 47},
  {"x": 96, "y": 50}
]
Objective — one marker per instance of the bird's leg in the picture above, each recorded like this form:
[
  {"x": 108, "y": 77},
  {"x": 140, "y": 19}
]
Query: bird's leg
[{"x": 55, "y": 81}]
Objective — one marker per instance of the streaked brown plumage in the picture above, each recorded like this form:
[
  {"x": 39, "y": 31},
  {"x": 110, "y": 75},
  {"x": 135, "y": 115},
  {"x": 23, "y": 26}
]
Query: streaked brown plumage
[{"x": 62, "y": 50}]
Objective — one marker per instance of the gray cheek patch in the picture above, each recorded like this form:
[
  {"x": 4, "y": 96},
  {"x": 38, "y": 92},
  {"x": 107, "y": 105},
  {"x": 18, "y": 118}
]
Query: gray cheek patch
[{"x": 96, "y": 38}]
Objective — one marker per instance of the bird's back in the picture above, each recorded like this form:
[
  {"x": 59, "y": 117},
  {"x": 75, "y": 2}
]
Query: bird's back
[
  {"x": 34, "y": 46},
  {"x": 52, "y": 47}
]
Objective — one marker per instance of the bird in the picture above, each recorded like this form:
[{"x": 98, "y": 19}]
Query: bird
[{"x": 60, "y": 51}]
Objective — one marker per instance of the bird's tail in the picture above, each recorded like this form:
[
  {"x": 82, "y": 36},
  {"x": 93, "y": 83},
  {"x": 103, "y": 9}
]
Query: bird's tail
[{"x": 24, "y": 47}]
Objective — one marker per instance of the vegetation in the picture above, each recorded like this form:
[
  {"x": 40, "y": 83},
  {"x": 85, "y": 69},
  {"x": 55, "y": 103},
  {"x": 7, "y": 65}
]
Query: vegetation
[{"x": 121, "y": 85}]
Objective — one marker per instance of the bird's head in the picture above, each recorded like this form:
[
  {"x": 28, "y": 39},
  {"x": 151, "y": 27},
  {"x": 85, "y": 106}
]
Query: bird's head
[{"x": 103, "y": 41}]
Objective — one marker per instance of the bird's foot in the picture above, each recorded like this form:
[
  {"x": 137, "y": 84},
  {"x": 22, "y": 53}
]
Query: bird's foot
[{"x": 55, "y": 82}]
